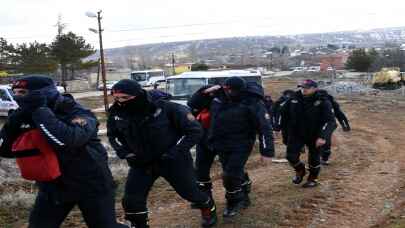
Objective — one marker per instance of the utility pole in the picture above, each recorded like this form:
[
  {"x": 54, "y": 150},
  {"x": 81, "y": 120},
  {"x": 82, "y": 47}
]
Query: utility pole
[
  {"x": 173, "y": 63},
  {"x": 61, "y": 26},
  {"x": 98, "y": 73},
  {"x": 103, "y": 73}
]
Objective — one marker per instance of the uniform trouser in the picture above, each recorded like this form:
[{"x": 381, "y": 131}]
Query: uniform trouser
[
  {"x": 234, "y": 175},
  {"x": 178, "y": 171},
  {"x": 326, "y": 150},
  {"x": 284, "y": 135},
  {"x": 97, "y": 211},
  {"x": 203, "y": 162},
  {"x": 293, "y": 156}
]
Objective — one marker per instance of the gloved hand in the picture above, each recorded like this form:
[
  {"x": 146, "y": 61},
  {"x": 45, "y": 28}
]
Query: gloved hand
[
  {"x": 32, "y": 101},
  {"x": 346, "y": 128},
  {"x": 15, "y": 119},
  {"x": 171, "y": 154},
  {"x": 131, "y": 160}
]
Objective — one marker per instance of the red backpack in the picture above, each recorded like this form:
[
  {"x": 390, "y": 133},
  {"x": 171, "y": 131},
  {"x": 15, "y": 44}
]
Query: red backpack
[
  {"x": 204, "y": 117},
  {"x": 36, "y": 159}
]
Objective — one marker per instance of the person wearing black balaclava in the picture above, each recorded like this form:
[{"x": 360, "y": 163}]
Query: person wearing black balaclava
[
  {"x": 71, "y": 130},
  {"x": 237, "y": 114},
  {"x": 155, "y": 137}
]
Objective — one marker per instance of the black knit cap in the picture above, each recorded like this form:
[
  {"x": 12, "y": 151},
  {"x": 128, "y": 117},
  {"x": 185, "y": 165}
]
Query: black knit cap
[
  {"x": 236, "y": 83},
  {"x": 33, "y": 82},
  {"x": 127, "y": 86}
]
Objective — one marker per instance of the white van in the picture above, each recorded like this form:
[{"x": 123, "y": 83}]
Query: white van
[
  {"x": 148, "y": 77},
  {"x": 7, "y": 102},
  {"x": 182, "y": 86}
]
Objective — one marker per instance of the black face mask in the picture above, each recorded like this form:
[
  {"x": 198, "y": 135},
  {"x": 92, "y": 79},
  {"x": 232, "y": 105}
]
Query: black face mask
[
  {"x": 233, "y": 95},
  {"x": 137, "y": 106}
]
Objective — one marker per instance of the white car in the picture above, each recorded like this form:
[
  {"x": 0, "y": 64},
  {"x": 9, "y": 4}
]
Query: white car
[
  {"x": 60, "y": 89},
  {"x": 7, "y": 102},
  {"x": 109, "y": 85}
]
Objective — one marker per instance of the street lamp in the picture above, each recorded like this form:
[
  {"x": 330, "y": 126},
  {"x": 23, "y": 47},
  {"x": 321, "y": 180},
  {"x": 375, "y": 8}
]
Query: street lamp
[{"x": 103, "y": 73}]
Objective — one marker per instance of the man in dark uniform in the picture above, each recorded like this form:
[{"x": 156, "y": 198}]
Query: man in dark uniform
[
  {"x": 310, "y": 123},
  {"x": 155, "y": 137},
  {"x": 71, "y": 130},
  {"x": 236, "y": 116},
  {"x": 279, "y": 124},
  {"x": 343, "y": 121}
]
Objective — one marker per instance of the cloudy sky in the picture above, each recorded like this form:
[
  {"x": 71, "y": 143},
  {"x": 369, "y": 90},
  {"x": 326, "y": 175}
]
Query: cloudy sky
[{"x": 132, "y": 22}]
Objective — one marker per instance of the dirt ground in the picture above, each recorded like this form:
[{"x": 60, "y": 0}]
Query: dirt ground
[{"x": 364, "y": 186}]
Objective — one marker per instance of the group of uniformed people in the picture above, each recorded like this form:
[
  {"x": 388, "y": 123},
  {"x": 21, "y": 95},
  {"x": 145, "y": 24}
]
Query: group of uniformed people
[{"x": 155, "y": 136}]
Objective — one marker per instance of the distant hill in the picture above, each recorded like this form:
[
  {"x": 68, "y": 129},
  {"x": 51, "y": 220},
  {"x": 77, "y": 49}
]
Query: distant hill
[{"x": 222, "y": 50}]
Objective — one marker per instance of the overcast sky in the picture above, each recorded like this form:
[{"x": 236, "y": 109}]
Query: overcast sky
[{"x": 132, "y": 22}]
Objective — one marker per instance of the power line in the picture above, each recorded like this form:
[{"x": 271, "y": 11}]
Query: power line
[{"x": 172, "y": 26}]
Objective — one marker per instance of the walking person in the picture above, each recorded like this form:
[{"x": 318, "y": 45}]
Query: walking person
[
  {"x": 343, "y": 121},
  {"x": 54, "y": 140},
  {"x": 309, "y": 122},
  {"x": 237, "y": 115},
  {"x": 155, "y": 137}
]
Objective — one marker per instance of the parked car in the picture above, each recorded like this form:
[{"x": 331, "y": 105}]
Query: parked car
[
  {"x": 109, "y": 85},
  {"x": 7, "y": 102}
]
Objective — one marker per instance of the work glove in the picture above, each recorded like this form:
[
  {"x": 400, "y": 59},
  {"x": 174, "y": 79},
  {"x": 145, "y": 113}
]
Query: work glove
[
  {"x": 346, "y": 128},
  {"x": 131, "y": 160},
  {"x": 171, "y": 154},
  {"x": 15, "y": 120}
]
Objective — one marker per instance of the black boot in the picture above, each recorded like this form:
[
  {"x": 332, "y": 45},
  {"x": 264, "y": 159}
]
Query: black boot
[
  {"x": 138, "y": 220},
  {"x": 246, "y": 188},
  {"x": 209, "y": 215},
  {"x": 325, "y": 156},
  {"x": 313, "y": 175},
  {"x": 299, "y": 173},
  {"x": 234, "y": 195},
  {"x": 206, "y": 188},
  {"x": 233, "y": 208}
]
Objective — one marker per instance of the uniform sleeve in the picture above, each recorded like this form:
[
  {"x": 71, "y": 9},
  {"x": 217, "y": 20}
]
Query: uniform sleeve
[
  {"x": 116, "y": 139},
  {"x": 10, "y": 132},
  {"x": 198, "y": 101},
  {"x": 276, "y": 116},
  {"x": 328, "y": 119},
  {"x": 6, "y": 141},
  {"x": 340, "y": 116},
  {"x": 262, "y": 122},
  {"x": 187, "y": 125},
  {"x": 62, "y": 134}
]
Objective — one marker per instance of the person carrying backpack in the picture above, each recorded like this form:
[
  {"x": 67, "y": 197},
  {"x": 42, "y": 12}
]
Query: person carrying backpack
[
  {"x": 237, "y": 115},
  {"x": 55, "y": 142}
]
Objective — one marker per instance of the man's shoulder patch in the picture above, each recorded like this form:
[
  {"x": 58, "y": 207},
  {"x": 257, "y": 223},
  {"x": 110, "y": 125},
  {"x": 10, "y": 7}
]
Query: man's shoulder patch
[
  {"x": 79, "y": 120},
  {"x": 318, "y": 102},
  {"x": 294, "y": 101}
]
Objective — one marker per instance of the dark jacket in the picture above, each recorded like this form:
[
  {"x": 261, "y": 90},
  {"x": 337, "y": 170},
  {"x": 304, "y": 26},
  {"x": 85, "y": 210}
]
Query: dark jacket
[
  {"x": 169, "y": 128},
  {"x": 234, "y": 125},
  {"x": 308, "y": 118},
  {"x": 339, "y": 114},
  {"x": 72, "y": 131},
  {"x": 276, "y": 118}
]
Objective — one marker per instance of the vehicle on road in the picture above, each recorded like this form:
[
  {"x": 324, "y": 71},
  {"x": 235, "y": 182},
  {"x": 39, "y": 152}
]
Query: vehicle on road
[
  {"x": 7, "y": 102},
  {"x": 148, "y": 77},
  {"x": 109, "y": 85},
  {"x": 182, "y": 86}
]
